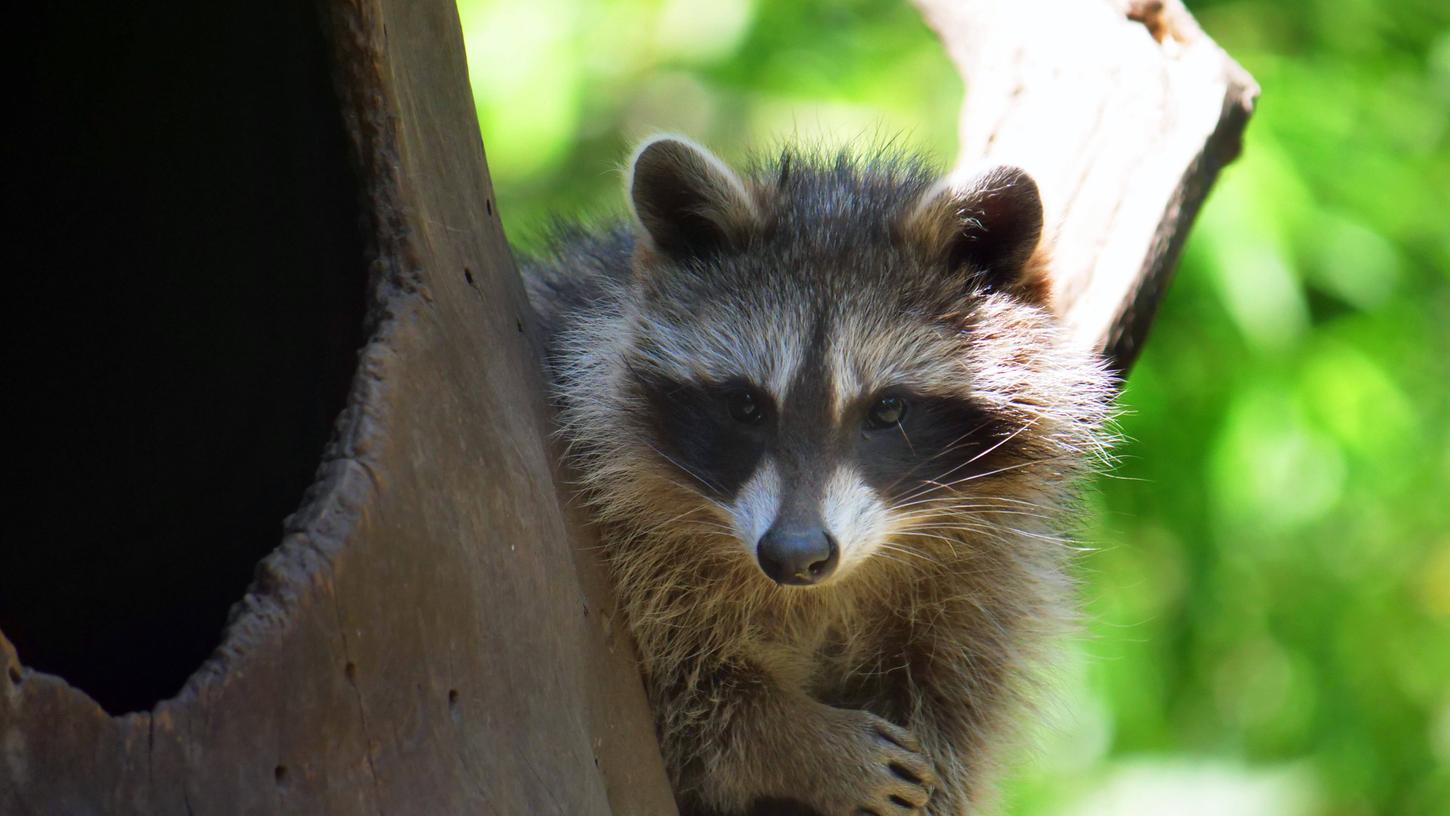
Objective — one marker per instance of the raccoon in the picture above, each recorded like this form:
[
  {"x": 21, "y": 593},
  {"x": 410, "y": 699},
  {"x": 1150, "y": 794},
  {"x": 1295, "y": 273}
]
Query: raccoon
[{"x": 830, "y": 431}]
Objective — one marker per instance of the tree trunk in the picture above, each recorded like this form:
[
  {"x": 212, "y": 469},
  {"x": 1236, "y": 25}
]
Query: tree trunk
[{"x": 434, "y": 634}]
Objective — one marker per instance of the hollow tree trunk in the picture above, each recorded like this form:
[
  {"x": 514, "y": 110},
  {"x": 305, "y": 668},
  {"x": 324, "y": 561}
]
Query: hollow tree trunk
[
  {"x": 434, "y": 633},
  {"x": 421, "y": 641}
]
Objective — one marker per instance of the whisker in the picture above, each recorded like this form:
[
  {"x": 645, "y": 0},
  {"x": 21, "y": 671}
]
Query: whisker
[
  {"x": 1004, "y": 440},
  {"x": 935, "y": 499},
  {"x": 1004, "y": 469},
  {"x": 988, "y": 509},
  {"x": 897, "y": 548},
  {"x": 692, "y": 474},
  {"x": 949, "y": 447},
  {"x": 1027, "y": 533}
]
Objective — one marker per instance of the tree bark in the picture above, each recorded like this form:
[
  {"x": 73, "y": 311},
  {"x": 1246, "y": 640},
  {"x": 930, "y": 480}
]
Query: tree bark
[
  {"x": 435, "y": 634},
  {"x": 422, "y": 641}
]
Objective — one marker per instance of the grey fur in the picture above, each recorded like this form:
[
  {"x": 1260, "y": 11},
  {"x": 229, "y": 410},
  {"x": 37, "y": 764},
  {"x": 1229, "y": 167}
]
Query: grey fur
[{"x": 892, "y": 688}]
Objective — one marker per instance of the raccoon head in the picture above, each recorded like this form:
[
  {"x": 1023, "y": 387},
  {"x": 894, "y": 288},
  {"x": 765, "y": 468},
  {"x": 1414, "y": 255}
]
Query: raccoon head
[{"x": 836, "y": 362}]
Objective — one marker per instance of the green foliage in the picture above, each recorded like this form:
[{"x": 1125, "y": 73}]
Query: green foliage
[{"x": 1268, "y": 601}]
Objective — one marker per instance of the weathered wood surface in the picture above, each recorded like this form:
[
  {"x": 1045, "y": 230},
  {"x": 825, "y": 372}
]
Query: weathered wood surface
[
  {"x": 420, "y": 642},
  {"x": 423, "y": 641},
  {"x": 1124, "y": 111}
]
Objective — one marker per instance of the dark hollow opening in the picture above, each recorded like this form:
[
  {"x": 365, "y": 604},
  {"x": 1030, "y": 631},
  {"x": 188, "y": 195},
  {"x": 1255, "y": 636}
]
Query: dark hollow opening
[{"x": 186, "y": 297}]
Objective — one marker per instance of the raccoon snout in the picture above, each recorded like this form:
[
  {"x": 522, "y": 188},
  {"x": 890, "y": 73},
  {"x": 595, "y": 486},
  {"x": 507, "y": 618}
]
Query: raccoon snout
[{"x": 798, "y": 557}]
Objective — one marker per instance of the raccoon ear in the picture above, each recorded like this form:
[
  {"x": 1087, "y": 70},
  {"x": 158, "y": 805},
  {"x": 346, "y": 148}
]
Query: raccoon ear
[
  {"x": 989, "y": 227},
  {"x": 689, "y": 203}
]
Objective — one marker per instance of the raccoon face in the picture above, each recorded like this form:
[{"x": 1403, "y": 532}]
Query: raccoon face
[
  {"x": 821, "y": 358},
  {"x": 812, "y": 484}
]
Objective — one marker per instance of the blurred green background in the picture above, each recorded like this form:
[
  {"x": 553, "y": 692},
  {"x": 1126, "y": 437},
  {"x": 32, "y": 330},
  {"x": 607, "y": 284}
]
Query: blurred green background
[{"x": 1268, "y": 603}]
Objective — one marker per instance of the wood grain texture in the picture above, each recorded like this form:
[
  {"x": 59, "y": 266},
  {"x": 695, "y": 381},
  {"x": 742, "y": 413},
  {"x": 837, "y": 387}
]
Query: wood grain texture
[
  {"x": 422, "y": 641},
  {"x": 1124, "y": 113}
]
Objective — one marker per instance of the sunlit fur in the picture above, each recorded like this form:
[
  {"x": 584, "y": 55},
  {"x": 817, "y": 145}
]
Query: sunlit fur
[{"x": 945, "y": 597}]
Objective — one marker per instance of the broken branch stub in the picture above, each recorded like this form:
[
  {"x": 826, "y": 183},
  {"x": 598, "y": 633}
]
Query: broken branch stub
[{"x": 1123, "y": 112}]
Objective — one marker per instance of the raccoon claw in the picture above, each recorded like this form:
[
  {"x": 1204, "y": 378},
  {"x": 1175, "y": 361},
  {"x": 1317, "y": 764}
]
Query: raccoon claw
[
  {"x": 898, "y": 736},
  {"x": 903, "y": 779}
]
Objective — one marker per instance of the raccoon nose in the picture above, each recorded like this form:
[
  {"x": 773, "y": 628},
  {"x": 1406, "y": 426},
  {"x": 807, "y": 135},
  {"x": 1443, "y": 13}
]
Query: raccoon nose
[{"x": 799, "y": 557}]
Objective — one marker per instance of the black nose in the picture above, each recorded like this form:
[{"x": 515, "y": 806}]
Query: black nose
[{"x": 798, "y": 557}]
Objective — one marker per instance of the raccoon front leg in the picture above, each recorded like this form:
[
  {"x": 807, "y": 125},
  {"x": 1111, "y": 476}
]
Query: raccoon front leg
[
  {"x": 954, "y": 712},
  {"x": 957, "y": 777},
  {"x": 764, "y": 742}
]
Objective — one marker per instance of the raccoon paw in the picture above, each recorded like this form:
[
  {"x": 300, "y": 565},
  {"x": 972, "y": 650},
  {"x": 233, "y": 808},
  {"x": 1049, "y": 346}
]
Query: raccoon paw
[{"x": 891, "y": 775}]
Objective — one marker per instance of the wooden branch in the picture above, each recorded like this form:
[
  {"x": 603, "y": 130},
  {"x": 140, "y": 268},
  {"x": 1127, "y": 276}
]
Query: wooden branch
[
  {"x": 434, "y": 635},
  {"x": 1124, "y": 112}
]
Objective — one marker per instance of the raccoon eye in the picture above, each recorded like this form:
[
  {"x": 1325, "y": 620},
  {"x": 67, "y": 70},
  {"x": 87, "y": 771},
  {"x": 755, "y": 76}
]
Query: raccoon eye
[
  {"x": 744, "y": 408},
  {"x": 886, "y": 413}
]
